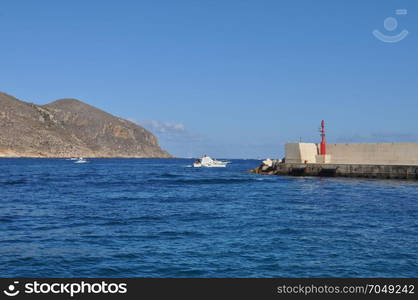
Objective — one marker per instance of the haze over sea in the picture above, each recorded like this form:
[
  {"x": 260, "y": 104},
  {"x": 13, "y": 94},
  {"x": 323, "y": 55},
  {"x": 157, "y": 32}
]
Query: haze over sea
[{"x": 162, "y": 218}]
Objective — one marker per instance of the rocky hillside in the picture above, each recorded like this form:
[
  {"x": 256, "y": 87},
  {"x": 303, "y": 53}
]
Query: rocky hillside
[{"x": 70, "y": 128}]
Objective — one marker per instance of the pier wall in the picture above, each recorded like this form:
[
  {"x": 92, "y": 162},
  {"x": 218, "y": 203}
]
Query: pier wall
[
  {"x": 377, "y": 154},
  {"x": 367, "y": 153},
  {"x": 301, "y": 152}
]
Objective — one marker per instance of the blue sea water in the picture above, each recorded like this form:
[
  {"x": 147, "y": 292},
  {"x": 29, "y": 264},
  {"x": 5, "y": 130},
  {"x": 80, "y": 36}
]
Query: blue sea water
[{"x": 162, "y": 218}]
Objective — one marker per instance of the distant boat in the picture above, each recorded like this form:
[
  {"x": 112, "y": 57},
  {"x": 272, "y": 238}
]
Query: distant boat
[
  {"x": 80, "y": 161},
  {"x": 208, "y": 162}
]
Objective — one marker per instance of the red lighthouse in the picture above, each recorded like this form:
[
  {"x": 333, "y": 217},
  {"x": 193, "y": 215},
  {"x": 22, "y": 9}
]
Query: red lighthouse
[{"x": 323, "y": 149}]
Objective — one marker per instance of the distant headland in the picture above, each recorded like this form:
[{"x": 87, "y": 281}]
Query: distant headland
[{"x": 70, "y": 128}]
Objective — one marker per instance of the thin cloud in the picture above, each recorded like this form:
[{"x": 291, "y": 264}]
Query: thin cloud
[
  {"x": 379, "y": 137},
  {"x": 180, "y": 141},
  {"x": 173, "y": 131},
  {"x": 163, "y": 127}
]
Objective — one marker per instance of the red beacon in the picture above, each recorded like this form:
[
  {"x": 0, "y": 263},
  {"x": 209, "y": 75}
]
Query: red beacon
[{"x": 323, "y": 148}]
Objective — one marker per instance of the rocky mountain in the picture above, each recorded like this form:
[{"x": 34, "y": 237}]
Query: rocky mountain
[{"x": 70, "y": 128}]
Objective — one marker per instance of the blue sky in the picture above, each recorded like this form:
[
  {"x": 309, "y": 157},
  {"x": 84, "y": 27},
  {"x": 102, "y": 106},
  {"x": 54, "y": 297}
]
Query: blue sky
[{"x": 225, "y": 78}]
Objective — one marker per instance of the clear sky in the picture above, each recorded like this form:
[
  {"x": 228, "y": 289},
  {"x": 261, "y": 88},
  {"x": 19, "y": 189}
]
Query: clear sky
[{"x": 226, "y": 78}]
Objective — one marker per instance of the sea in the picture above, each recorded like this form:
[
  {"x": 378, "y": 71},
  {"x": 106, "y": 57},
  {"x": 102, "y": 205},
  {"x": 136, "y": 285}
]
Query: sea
[{"x": 164, "y": 218}]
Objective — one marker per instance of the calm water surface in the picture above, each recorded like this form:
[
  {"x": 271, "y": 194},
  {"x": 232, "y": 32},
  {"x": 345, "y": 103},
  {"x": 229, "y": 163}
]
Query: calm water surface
[{"x": 162, "y": 218}]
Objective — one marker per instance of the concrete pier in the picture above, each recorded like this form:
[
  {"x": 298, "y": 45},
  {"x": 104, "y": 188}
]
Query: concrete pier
[{"x": 339, "y": 170}]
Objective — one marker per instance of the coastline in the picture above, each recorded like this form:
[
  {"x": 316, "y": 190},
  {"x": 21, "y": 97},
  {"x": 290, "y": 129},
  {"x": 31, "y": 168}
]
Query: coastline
[
  {"x": 104, "y": 157},
  {"x": 12, "y": 154}
]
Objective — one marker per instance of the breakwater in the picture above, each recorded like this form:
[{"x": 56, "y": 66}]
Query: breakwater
[{"x": 276, "y": 167}]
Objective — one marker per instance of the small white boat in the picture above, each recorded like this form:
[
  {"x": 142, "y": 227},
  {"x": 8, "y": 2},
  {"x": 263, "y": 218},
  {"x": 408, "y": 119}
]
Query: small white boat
[
  {"x": 208, "y": 162},
  {"x": 80, "y": 161}
]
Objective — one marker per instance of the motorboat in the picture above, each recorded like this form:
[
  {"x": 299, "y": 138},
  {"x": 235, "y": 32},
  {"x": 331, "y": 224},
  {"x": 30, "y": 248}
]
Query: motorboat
[
  {"x": 206, "y": 161},
  {"x": 80, "y": 161}
]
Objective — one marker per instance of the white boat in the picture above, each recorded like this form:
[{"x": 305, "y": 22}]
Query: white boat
[
  {"x": 80, "y": 161},
  {"x": 208, "y": 162}
]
